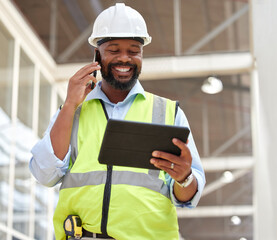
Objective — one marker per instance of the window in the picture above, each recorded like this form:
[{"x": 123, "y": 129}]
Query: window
[
  {"x": 44, "y": 105},
  {"x": 6, "y": 66}
]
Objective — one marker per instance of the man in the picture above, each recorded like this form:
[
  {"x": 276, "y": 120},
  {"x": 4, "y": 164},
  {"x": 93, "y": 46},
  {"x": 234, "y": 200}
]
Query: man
[{"x": 112, "y": 201}]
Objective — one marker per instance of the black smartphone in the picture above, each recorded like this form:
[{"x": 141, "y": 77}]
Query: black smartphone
[{"x": 96, "y": 58}]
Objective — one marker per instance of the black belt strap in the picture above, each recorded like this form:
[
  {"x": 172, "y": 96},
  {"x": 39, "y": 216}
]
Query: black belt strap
[{"x": 97, "y": 235}]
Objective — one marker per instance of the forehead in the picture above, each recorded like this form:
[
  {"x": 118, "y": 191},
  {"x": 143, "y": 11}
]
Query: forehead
[{"x": 121, "y": 43}]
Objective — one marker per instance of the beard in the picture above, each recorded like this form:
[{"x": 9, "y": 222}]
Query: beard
[{"x": 116, "y": 84}]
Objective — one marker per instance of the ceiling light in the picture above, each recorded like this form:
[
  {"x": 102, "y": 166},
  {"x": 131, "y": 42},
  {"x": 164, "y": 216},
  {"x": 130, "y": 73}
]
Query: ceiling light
[
  {"x": 236, "y": 220},
  {"x": 212, "y": 85},
  {"x": 227, "y": 177}
]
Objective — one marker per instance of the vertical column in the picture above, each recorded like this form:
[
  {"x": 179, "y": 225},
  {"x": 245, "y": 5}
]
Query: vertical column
[
  {"x": 15, "y": 80},
  {"x": 50, "y": 213},
  {"x": 53, "y": 28},
  {"x": 263, "y": 22},
  {"x": 35, "y": 130},
  {"x": 51, "y": 191},
  {"x": 177, "y": 27}
]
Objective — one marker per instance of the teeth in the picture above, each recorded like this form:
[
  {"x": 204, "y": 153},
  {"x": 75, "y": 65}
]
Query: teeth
[{"x": 122, "y": 69}]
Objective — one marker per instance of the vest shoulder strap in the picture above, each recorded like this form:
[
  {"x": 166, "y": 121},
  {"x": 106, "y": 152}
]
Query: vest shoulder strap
[
  {"x": 74, "y": 135},
  {"x": 160, "y": 106},
  {"x": 159, "y": 110}
]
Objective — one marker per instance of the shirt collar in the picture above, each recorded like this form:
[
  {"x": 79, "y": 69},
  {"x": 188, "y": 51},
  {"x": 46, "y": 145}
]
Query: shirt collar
[{"x": 97, "y": 93}]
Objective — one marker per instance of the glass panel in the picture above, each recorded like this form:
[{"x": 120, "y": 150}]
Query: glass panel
[
  {"x": 6, "y": 65},
  {"x": 22, "y": 198},
  {"x": 3, "y": 235},
  {"x": 41, "y": 224},
  {"x": 41, "y": 192},
  {"x": 44, "y": 196},
  {"x": 44, "y": 105},
  {"x": 25, "y": 91},
  {"x": 25, "y": 139},
  {"x": 6, "y": 58}
]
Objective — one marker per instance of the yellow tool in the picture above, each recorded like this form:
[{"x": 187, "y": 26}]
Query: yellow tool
[{"x": 73, "y": 226}]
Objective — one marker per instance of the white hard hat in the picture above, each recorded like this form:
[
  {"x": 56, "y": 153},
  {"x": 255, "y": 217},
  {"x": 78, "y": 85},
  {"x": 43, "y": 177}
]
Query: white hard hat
[{"x": 119, "y": 21}]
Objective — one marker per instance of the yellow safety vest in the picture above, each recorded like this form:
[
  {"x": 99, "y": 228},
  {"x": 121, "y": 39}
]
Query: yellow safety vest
[{"x": 126, "y": 203}]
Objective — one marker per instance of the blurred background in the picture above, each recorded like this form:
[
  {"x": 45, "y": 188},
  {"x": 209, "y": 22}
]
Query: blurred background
[{"x": 210, "y": 55}]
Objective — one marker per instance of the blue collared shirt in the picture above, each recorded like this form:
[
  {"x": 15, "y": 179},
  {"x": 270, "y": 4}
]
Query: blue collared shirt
[{"x": 49, "y": 170}]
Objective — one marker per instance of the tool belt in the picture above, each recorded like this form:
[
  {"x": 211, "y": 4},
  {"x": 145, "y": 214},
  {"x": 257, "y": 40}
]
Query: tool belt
[{"x": 73, "y": 228}]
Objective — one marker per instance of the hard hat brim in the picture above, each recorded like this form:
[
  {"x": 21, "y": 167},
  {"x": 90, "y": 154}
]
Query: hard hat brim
[{"x": 94, "y": 40}]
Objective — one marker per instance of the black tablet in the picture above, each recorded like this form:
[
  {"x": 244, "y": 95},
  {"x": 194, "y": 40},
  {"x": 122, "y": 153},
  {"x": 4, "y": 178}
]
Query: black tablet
[{"x": 131, "y": 144}]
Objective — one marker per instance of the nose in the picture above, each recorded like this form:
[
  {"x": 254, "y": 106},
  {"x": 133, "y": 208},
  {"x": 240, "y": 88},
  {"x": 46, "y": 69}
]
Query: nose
[{"x": 123, "y": 57}]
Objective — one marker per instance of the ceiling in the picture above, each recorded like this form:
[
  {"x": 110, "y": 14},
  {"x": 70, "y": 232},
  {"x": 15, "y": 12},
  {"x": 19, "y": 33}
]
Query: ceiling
[
  {"x": 65, "y": 25},
  {"x": 220, "y": 123}
]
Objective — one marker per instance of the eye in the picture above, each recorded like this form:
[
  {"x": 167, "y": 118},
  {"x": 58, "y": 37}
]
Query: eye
[
  {"x": 134, "y": 52},
  {"x": 113, "y": 50}
]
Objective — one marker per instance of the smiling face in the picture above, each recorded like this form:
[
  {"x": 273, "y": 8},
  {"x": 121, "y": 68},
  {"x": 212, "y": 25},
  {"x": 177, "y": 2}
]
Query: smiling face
[{"x": 121, "y": 62}]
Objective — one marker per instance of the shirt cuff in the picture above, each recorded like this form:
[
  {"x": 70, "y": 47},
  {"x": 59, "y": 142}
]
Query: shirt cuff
[
  {"x": 45, "y": 166},
  {"x": 189, "y": 204}
]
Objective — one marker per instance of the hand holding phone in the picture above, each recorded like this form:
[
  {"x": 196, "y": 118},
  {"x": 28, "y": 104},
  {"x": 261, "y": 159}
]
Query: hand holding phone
[{"x": 79, "y": 85}]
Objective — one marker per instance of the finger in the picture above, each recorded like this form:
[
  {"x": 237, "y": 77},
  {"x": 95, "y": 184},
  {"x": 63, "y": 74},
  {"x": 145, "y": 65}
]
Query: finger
[
  {"x": 173, "y": 172},
  {"x": 92, "y": 82},
  {"x": 183, "y": 146},
  {"x": 180, "y": 144},
  {"x": 87, "y": 80},
  {"x": 162, "y": 163},
  {"x": 167, "y": 156},
  {"x": 170, "y": 171},
  {"x": 86, "y": 70},
  {"x": 167, "y": 166},
  {"x": 88, "y": 90}
]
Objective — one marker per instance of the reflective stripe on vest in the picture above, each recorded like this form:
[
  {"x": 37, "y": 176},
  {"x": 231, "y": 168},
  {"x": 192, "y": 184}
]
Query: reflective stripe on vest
[{"x": 119, "y": 177}]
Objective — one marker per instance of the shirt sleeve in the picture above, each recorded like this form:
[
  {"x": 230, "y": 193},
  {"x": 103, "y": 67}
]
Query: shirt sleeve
[
  {"x": 196, "y": 167},
  {"x": 44, "y": 165}
]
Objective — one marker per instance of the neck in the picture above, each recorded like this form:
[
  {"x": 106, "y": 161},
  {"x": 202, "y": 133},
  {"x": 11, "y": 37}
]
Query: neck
[{"x": 114, "y": 95}]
